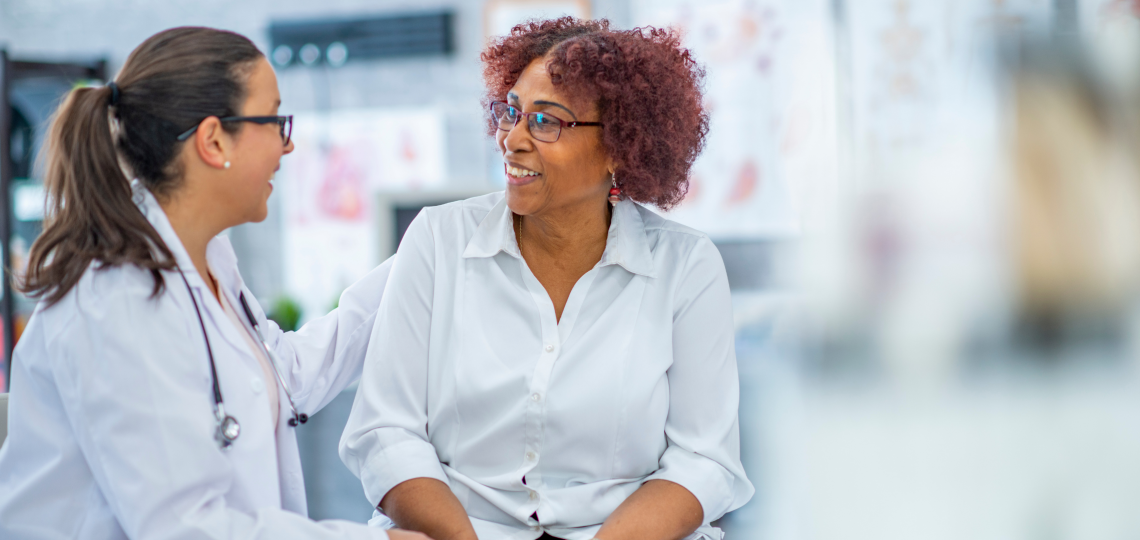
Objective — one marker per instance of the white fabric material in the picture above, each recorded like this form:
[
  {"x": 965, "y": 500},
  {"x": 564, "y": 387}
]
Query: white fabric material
[
  {"x": 470, "y": 380},
  {"x": 271, "y": 384},
  {"x": 112, "y": 433},
  {"x": 3, "y": 418}
]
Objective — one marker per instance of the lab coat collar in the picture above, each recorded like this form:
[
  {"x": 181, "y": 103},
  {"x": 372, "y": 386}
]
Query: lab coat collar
[
  {"x": 219, "y": 252},
  {"x": 626, "y": 244}
]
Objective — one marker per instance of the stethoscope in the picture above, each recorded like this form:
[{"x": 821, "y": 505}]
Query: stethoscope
[{"x": 228, "y": 428}]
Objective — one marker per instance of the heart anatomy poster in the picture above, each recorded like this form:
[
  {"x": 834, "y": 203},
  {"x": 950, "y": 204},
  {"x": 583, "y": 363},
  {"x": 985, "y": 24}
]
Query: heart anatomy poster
[
  {"x": 328, "y": 185},
  {"x": 812, "y": 100}
]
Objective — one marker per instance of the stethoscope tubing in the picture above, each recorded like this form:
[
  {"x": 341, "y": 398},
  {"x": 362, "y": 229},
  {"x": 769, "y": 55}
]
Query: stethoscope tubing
[
  {"x": 228, "y": 428},
  {"x": 209, "y": 349},
  {"x": 298, "y": 417}
]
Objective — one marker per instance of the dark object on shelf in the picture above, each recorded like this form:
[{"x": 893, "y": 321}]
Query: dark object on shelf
[
  {"x": 340, "y": 40},
  {"x": 29, "y": 94}
]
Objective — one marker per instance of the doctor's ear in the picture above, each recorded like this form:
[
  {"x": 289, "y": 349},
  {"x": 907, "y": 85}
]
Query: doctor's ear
[{"x": 213, "y": 143}]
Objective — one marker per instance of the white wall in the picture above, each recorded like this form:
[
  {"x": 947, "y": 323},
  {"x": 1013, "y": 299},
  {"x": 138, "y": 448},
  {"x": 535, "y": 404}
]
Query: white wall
[{"x": 67, "y": 29}]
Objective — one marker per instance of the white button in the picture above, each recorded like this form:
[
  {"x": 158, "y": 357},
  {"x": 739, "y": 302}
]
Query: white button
[
  {"x": 531, "y": 456},
  {"x": 533, "y": 495},
  {"x": 549, "y": 348},
  {"x": 536, "y": 397},
  {"x": 536, "y": 528},
  {"x": 256, "y": 385}
]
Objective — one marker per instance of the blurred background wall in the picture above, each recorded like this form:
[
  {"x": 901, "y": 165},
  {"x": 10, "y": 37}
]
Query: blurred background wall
[
  {"x": 929, "y": 213},
  {"x": 448, "y": 84}
]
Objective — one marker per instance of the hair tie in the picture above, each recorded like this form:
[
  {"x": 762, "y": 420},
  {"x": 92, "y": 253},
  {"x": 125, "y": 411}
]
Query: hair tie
[{"x": 114, "y": 93}]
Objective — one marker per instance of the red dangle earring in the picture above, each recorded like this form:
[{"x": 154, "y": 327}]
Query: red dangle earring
[{"x": 615, "y": 192}]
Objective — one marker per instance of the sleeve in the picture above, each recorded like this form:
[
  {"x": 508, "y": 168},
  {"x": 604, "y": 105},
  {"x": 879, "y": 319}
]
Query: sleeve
[
  {"x": 324, "y": 356},
  {"x": 386, "y": 441},
  {"x": 135, "y": 385},
  {"x": 702, "y": 429}
]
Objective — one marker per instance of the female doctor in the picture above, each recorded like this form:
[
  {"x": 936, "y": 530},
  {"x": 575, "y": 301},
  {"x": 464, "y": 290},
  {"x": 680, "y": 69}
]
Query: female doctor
[{"x": 150, "y": 396}]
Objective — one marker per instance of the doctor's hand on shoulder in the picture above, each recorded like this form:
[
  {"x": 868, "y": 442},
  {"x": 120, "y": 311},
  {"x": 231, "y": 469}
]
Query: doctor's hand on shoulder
[{"x": 150, "y": 396}]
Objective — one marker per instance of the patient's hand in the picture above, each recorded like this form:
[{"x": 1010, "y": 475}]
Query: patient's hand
[{"x": 398, "y": 534}]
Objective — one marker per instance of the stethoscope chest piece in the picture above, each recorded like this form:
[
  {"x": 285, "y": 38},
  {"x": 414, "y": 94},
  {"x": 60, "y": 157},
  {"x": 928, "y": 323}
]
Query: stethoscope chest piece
[{"x": 228, "y": 431}]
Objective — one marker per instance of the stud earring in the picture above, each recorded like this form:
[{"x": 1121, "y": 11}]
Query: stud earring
[
  {"x": 615, "y": 192},
  {"x": 227, "y": 165}
]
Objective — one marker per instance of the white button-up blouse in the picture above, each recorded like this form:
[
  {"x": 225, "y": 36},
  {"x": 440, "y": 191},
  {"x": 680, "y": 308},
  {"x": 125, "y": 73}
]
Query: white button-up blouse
[{"x": 470, "y": 379}]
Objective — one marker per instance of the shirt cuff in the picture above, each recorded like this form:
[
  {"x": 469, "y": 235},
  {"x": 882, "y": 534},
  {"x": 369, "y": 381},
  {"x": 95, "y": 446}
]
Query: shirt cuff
[
  {"x": 706, "y": 479},
  {"x": 398, "y": 463}
]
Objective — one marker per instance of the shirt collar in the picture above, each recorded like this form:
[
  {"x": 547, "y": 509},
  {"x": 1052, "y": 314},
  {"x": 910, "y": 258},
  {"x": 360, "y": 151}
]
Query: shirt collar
[
  {"x": 219, "y": 252},
  {"x": 626, "y": 244}
]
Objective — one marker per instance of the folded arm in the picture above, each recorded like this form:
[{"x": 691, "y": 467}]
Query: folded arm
[
  {"x": 428, "y": 505},
  {"x": 659, "y": 510}
]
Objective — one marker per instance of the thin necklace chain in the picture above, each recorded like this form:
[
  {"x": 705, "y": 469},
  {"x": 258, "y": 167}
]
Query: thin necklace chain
[{"x": 520, "y": 236}]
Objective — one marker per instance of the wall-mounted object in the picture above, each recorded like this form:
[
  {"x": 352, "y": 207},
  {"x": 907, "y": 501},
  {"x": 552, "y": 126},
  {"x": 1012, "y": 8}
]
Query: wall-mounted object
[
  {"x": 337, "y": 41},
  {"x": 499, "y": 16}
]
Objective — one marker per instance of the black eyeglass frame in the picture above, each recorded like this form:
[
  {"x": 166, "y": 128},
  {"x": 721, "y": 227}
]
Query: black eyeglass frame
[
  {"x": 562, "y": 124},
  {"x": 285, "y": 122}
]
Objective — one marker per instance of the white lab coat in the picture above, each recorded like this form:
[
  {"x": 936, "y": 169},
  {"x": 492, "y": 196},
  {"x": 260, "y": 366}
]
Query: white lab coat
[{"x": 111, "y": 422}]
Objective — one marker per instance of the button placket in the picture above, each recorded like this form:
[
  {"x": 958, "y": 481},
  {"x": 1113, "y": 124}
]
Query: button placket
[
  {"x": 553, "y": 337},
  {"x": 540, "y": 379},
  {"x": 536, "y": 410}
]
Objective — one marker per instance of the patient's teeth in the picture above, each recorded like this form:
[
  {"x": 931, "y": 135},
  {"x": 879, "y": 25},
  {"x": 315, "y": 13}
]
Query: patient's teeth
[{"x": 517, "y": 172}]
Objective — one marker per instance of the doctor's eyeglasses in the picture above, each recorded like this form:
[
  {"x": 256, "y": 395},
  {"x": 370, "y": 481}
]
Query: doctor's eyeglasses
[{"x": 284, "y": 124}]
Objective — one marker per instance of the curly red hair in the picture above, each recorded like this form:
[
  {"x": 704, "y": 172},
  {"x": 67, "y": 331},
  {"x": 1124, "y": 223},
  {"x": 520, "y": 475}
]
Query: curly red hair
[{"x": 646, "y": 85}]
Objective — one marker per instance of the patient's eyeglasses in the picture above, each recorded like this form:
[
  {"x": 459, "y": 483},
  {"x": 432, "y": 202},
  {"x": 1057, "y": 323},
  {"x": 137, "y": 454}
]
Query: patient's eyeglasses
[
  {"x": 543, "y": 127},
  {"x": 284, "y": 124}
]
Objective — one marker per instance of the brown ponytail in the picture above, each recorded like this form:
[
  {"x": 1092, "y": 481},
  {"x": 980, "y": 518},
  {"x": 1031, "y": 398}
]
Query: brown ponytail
[{"x": 169, "y": 84}]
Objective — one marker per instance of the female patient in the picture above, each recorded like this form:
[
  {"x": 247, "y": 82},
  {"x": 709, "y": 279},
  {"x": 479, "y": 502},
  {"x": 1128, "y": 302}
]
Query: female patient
[
  {"x": 150, "y": 396},
  {"x": 557, "y": 360}
]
